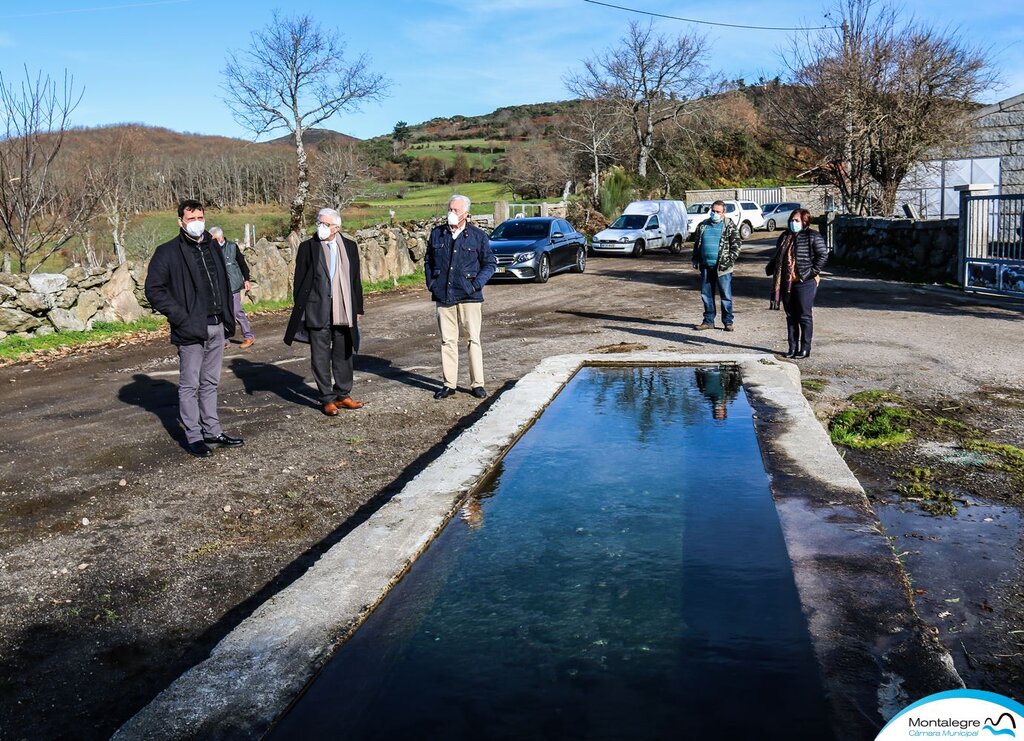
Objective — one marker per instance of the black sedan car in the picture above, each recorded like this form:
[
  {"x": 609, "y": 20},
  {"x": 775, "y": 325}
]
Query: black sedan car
[{"x": 537, "y": 248}]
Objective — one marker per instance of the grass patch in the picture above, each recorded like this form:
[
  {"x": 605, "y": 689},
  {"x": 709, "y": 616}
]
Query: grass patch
[
  {"x": 1011, "y": 456},
  {"x": 389, "y": 284},
  {"x": 935, "y": 502},
  {"x": 206, "y": 549},
  {"x": 17, "y": 348},
  {"x": 956, "y": 426},
  {"x": 813, "y": 384},
  {"x": 267, "y": 306},
  {"x": 878, "y": 419}
]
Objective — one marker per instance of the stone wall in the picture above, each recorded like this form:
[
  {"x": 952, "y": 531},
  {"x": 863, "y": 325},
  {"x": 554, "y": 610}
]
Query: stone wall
[
  {"x": 915, "y": 251},
  {"x": 79, "y": 297},
  {"x": 999, "y": 132}
]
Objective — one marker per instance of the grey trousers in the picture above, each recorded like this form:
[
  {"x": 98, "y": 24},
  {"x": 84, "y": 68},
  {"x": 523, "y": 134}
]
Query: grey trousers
[
  {"x": 240, "y": 317},
  {"x": 331, "y": 349},
  {"x": 199, "y": 376}
]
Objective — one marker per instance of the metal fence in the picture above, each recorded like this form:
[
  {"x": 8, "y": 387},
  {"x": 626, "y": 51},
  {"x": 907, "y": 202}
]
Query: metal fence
[
  {"x": 526, "y": 209},
  {"x": 992, "y": 243}
]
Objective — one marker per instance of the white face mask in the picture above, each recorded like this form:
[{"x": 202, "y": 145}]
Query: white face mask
[
  {"x": 453, "y": 218},
  {"x": 795, "y": 226},
  {"x": 195, "y": 229},
  {"x": 323, "y": 231}
]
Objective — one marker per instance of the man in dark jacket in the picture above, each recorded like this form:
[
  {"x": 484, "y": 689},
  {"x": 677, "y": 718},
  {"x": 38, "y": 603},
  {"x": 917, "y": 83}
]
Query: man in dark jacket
[
  {"x": 716, "y": 247},
  {"x": 328, "y": 294},
  {"x": 457, "y": 264},
  {"x": 188, "y": 283},
  {"x": 238, "y": 277}
]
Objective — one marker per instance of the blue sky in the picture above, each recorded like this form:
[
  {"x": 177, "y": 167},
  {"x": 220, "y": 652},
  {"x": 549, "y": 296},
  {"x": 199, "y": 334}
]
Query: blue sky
[{"x": 158, "y": 62}]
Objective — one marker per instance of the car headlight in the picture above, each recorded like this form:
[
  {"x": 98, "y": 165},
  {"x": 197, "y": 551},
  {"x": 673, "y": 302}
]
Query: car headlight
[
  {"x": 625, "y": 239},
  {"x": 524, "y": 256}
]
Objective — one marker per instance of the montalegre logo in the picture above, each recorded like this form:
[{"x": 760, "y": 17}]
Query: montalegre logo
[{"x": 958, "y": 714}]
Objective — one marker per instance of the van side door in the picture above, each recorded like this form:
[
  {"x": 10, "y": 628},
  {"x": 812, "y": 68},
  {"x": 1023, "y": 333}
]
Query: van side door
[{"x": 653, "y": 234}]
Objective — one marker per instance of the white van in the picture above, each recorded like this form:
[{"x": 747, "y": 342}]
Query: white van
[{"x": 644, "y": 225}]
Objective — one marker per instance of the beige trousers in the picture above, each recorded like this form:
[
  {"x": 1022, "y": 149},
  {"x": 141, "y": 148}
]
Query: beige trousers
[{"x": 450, "y": 319}]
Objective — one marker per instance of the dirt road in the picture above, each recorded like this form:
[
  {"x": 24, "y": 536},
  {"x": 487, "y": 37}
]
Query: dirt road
[{"x": 123, "y": 560}]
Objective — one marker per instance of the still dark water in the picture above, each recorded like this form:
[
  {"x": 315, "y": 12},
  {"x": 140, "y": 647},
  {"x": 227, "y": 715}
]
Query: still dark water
[{"x": 623, "y": 576}]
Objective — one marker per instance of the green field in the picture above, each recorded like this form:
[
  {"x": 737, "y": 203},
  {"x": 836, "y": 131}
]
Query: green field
[
  {"x": 446, "y": 151},
  {"x": 420, "y": 202}
]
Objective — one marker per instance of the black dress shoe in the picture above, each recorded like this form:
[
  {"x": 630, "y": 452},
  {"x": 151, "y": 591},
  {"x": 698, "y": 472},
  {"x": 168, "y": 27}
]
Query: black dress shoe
[
  {"x": 199, "y": 449},
  {"x": 790, "y": 354},
  {"x": 802, "y": 354},
  {"x": 478, "y": 392},
  {"x": 444, "y": 392},
  {"x": 224, "y": 441}
]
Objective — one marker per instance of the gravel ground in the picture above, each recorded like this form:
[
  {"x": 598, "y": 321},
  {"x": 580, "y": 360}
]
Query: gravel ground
[{"x": 123, "y": 560}]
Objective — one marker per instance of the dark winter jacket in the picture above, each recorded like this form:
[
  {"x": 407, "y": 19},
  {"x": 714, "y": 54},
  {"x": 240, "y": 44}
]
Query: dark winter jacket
[
  {"x": 312, "y": 289},
  {"x": 234, "y": 260},
  {"x": 456, "y": 273},
  {"x": 175, "y": 289},
  {"x": 810, "y": 250},
  {"x": 728, "y": 252}
]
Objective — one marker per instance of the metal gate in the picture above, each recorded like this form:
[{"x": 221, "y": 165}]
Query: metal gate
[{"x": 992, "y": 243}]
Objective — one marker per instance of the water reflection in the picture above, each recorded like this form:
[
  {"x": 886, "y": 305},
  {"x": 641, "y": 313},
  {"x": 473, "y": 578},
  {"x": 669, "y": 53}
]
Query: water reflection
[{"x": 719, "y": 386}]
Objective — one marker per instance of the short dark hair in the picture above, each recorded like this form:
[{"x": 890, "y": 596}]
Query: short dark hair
[
  {"x": 190, "y": 205},
  {"x": 717, "y": 203}
]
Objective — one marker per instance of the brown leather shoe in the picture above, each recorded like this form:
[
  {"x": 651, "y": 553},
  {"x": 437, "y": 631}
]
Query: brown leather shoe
[
  {"x": 247, "y": 343},
  {"x": 349, "y": 403},
  {"x": 331, "y": 409}
]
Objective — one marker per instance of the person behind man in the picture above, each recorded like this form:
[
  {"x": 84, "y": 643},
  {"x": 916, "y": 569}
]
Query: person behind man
[
  {"x": 188, "y": 283},
  {"x": 457, "y": 264},
  {"x": 716, "y": 246},
  {"x": 800, "y": 256},
  {"x": 328, "y": 304},
  {"x": 238, "y": 276}
]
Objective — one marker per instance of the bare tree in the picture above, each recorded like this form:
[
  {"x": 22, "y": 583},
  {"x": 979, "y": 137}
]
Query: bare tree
[
  {"x": 40, "y": 212},
  {"x": 118, "y": 176},
  {"x": 650, "y": 79},
  {"x": 293, "y": 77},
  {"x": 589, "y": 133},
  {"x": 341, "y": 167},
  {"x": 871, "y": 99},
  {"x": 533, "y": 170}
]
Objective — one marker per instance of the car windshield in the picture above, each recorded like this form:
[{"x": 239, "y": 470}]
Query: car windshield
[
  {"x": 699, "y": 208},
  {"x": 629, "y": 221},
  {"x": 521, "y": 230}
]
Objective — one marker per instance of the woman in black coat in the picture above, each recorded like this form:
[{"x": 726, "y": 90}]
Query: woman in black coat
[{"x": 800, "y": 256}]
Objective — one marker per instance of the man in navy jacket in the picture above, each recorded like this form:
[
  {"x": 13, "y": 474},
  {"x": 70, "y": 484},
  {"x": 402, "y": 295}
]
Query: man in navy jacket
[
  {"x": 458, "y": 263},
  {"x": 187, "y": 282}
]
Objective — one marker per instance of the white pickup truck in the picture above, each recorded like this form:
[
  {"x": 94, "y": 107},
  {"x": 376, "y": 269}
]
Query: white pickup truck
[
  {"x": 644, "y": 225},
  {"x": 744, "y": 214}
]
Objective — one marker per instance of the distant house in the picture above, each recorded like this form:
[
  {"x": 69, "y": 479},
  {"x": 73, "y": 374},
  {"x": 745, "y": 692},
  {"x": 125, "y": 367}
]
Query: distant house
[{"x": 994, "y": 155}]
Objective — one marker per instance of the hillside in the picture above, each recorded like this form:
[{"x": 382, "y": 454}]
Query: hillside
[{"x": 154, "y": 140}]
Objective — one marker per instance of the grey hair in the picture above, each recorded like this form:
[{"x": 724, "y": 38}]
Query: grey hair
[
  {"x": 335, "y": 216},
  {"x": 464, "y": 199},
  {"x": 215, "y": 230}
]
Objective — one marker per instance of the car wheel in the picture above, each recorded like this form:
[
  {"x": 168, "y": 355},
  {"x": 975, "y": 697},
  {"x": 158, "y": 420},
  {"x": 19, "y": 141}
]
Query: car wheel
[
  {"x": 581, "y": 260},
  {"x": 770, "y": 225},
  {"x": 745, "y": 230},
  {"x": 677, "y": 245},
  {"x": 639, "y": 249},
  {"x": 543, "y": 269}
]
